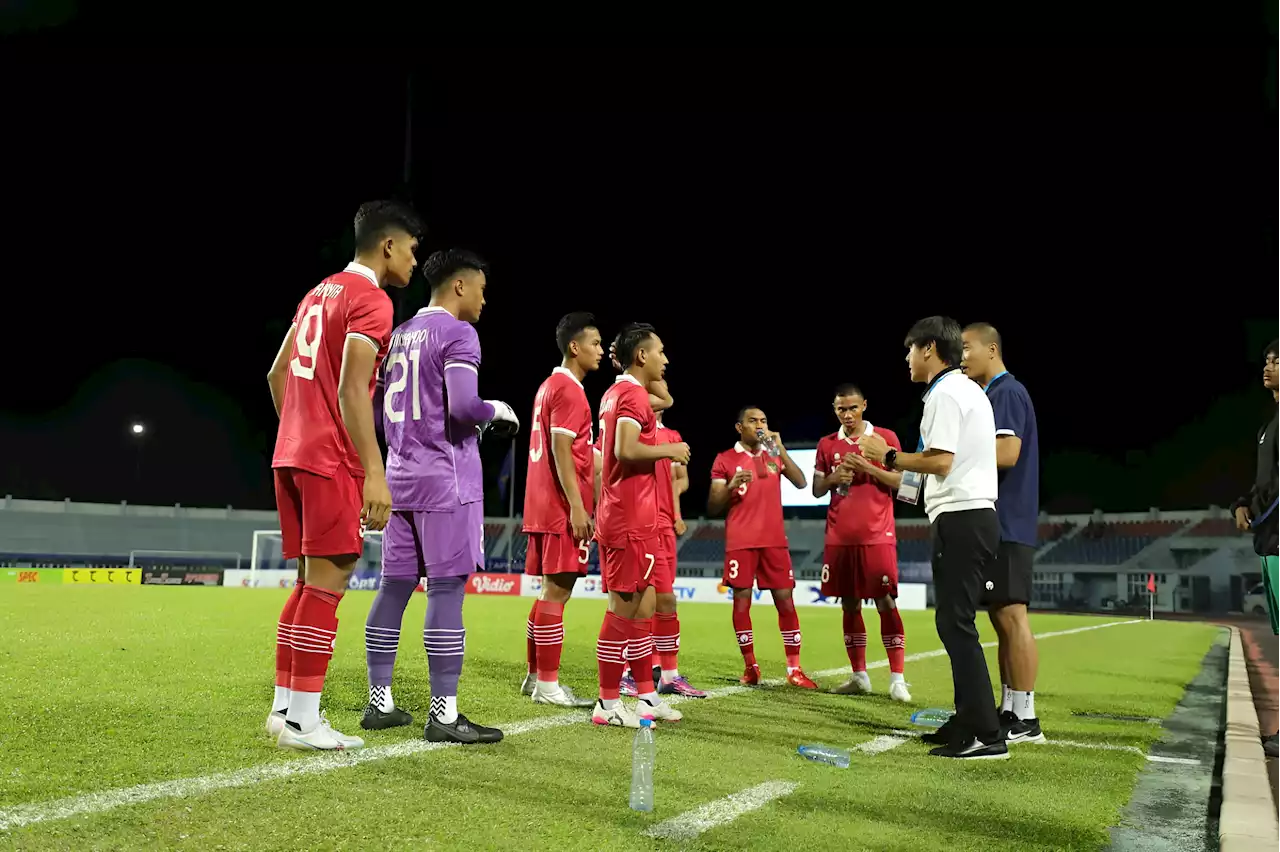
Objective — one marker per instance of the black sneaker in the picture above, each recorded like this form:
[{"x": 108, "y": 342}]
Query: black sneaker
[
  {"x": 462, "y": 730},
  {"x": 940, "y": 737},
  {"x": 974, "y": 749},
  {"x": 1014, "y": 730},
  {"x": 375, "y": 720}
]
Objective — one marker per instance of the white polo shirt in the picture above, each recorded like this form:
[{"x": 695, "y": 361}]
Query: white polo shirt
[{"x": 958, "y": 419}]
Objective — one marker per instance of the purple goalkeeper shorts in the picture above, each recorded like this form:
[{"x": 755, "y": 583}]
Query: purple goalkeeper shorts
[{"x": 434, "y": 544}]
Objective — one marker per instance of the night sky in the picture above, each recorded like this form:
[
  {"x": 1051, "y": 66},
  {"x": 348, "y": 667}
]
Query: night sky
[{"x": 1128, "y": 256}]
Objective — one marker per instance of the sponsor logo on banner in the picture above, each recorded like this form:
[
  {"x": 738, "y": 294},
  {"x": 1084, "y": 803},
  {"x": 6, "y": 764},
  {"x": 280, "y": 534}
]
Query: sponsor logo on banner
[
  {"x": 118, "y": 576},
  {"x": 28, "y": 576},
  {"x": 494, "y": 584}
]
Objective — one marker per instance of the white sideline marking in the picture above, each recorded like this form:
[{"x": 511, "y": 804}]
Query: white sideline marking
[
  {"x": 720, "y": 812},
  {"x": 1154, "y": 758},
  {"x": 880, "y": 745},
  {"x": 31, "y": 813}
]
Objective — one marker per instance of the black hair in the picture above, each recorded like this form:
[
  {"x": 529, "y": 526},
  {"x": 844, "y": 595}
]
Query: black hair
[
  {"x": 629, "y": 339},
  {"x": 849, "y": 389},
  {"x": 742, "y": 412},
  {"x": 443, "y": 266},
  {"x": 1270, "y": 350},
  {"x": 988, "y": 333},
  {"x": 943, "y": 333},
  {"x": 570, "y": 326},
  {"x": 376, "y": 220}
]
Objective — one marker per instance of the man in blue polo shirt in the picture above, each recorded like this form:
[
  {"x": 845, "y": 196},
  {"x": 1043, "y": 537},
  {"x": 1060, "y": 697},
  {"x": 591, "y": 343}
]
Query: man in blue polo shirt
[{"x": 1008, "y": 582}]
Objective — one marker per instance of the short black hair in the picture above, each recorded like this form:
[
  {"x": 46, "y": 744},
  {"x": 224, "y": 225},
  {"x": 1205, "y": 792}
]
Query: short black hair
[
  {"x": 849, "y": 389},
  {"x": 443, "y": 266},
  {"x": 630, "y": 338},
  {"x": 1270, "y": 350},
  {"x": 943, "y": 333},
  {"x": 988, "y": 333},
  {"x": 570, "y": 326},
  {"x": 375, "y": 220},
  {"x": 742, "y": 412}
]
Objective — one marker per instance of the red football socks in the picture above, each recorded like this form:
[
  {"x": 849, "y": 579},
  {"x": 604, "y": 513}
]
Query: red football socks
[
  {"x": 611, "y": 647},
  {"x": 284, "y": 638},
  {"x": 315, "y": 630},
  {"x": 666, "y": 639},
  {"x": 894, "y": 637},
  {"x": 548, "y": 637},
  {"x": 789, "y": 625},
  {"x": 742, "y": 627},
  {"x": 855, "y": 639}
]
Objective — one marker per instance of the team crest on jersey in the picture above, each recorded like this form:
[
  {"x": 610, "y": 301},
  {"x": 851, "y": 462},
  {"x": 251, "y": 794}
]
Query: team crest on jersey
[{"x": 773, "y": 466}]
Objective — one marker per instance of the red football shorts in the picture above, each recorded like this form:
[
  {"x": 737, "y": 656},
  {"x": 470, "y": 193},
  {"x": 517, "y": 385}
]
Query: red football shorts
[
  {"x": 664, "y": 576},
  {"x": 763, "y": 567},
  {"x": 319, "y": 516},
  {"x": 556, "y": 553},
  {"x": 632, "y": 568},
  {"x": 862, "y": 571}
]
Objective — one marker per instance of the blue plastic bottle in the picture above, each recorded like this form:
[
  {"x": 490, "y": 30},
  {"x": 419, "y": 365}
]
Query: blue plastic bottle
[
  {"x": 931, "y": 718},
  {"x": 825, "y": 754},
  {"x": 643, "y": 753}
]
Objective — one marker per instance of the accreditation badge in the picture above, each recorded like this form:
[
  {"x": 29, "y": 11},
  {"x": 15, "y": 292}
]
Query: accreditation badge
[{"x": 909, "y": 490}]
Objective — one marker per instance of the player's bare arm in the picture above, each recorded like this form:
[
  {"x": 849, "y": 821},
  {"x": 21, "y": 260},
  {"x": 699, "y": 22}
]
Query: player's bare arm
[
  {"x": 842, "y": 475},
  {"x": 1008, "y": 448},
  {"x": 659, "y": 396},
  {"x": 631, "y": 450},
  {"x": 358, "y": 359},
  {"x": 278, "y": 375},
  {"x": 790, "y": 469},
  {"x": 562, "y": 453},
  {"x": 889, "y": 478},
  {"x": 722, "y": 492},
  {"x": 679, "y": 485},
  {"x": 935, "y": 462}
]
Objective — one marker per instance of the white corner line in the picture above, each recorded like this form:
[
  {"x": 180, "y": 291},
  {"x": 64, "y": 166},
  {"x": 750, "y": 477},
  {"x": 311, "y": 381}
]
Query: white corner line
[
  {"x": 690, "y": 824},
  {"x": 18, "y": 816}
]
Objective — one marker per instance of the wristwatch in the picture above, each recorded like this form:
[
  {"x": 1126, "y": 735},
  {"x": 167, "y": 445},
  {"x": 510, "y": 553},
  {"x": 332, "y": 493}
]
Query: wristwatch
[{"x": 890, "y": 458}]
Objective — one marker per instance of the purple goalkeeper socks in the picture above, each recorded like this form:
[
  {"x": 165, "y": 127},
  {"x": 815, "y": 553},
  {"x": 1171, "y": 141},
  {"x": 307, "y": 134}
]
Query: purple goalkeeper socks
[
  {"x": 443, "y": 634},
  {"x": 382, "y": 628}
]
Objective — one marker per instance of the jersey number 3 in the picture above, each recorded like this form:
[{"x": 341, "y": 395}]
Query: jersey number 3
[{"x": 306, "y": 343}]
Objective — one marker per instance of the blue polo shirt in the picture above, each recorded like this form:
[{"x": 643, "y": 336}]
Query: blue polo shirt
[{"x": 1019, "y": 504}]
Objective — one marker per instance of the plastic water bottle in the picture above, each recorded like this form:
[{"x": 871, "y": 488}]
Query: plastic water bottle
[
  {"x": 770, "y": 445},
  {"x": 642, "y": 757},
  {"x": 931, "y": 718},
  {"x": 825, "y": 754}
]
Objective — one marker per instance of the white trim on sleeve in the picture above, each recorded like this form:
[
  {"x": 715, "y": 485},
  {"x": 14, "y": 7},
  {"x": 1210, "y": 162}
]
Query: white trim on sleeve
[
  {"x": 449, "y": 365},
  {"x": 560, "y": 430},
  {"x": 1008, "y": 433},
  {"x": 366, "y": 338}
]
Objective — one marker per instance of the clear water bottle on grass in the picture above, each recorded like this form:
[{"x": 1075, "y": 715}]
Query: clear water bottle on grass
[
  {"x": 643, "y": 753},
  {"x": 825, "y": 754},
  {"x": 932, "y": 718}
]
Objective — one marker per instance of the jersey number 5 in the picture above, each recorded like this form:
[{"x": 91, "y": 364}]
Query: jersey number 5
[
  {"x": 306, "y": 343},
  {"x": 537, "y": 445}
]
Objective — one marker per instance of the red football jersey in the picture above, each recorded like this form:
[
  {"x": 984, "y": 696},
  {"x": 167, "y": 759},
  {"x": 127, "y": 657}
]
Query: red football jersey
[
  {"x": 755, "y": 508},
  {"x": 350, "y": 304},
  {"x": 865, "y": 516},
  {"x": 662, "y": 469},
  {"x": 560, "y": 407},
  {"x": 628, "y": 495}
]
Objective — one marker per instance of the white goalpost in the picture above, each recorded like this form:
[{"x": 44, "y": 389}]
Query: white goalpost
[{"x": 268, "y": 567}]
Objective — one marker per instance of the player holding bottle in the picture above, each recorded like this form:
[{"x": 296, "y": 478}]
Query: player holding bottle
[
  {"x": 746, "y": 481},
  {"x": 558, "y": 503},
  {"x": 627, "y": 527},
  {"x": 329, "y": 477},
  {"x": 860, "y": 558}
]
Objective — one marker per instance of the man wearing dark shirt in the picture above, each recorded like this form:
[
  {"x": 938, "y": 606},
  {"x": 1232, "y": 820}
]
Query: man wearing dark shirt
[{"x": 1008, "y": 581}]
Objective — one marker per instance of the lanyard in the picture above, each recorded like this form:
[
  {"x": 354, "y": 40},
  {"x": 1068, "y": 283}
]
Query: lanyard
[
  {"x": 994, "y": 378},
  {"x": 932, "y": 385}
]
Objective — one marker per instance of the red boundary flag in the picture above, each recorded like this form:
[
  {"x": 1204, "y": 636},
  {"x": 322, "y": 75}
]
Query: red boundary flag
[{"x": 1151, "y": 583}]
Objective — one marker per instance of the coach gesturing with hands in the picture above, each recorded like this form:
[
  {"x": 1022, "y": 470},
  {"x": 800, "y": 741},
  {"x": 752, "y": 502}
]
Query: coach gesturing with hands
[{"x": 955, "y": 467}]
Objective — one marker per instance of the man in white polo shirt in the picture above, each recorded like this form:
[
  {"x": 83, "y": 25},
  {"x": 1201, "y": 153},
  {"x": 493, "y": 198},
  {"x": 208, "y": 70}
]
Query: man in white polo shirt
[{"x": 955, "y": 462}]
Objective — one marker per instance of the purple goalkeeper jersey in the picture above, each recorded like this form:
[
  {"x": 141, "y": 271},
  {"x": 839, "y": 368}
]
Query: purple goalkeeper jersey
[{"x": 433, "y": 463}]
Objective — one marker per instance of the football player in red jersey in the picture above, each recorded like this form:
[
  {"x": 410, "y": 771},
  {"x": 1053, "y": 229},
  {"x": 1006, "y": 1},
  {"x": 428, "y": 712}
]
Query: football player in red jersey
[
  {"x": 558, "y": 503},
  {"x": 860, "y": 555},
  {"x": 628, "y": 529},
  {"x": 330, "y": 481},
  {"x": 746, "y": 481},
  {"x": 673, "y": 480}
]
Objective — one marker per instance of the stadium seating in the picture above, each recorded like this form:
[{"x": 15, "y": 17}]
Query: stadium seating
[
  {"x": 1216, "y": 527},
  {"x": 1109, "y": 542}
]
